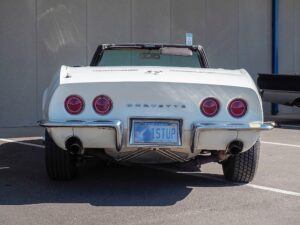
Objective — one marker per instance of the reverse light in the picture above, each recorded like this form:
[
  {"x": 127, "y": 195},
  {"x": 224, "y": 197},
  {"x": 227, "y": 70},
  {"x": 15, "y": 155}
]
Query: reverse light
[
  {"x": 74, "y": 104},
  {"x": 102, "y": 104},
  {"x": 210, "y": 107},
  {"x": 237, "y": 108}
]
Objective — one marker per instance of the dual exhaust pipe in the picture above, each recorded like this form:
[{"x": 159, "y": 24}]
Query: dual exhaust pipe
[
  {"x": 74, "y": 145},
  {"x": 235, "y": 147}
]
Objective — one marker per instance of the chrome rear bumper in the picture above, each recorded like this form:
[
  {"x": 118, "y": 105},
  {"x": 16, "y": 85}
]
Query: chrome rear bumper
[
  {"x": 234, "y": 126},
  {"x": 197, "y": 128}
]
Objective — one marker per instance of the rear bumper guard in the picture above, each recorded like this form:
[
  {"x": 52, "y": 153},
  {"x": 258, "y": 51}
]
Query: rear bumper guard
[
  {"x": 199, "y": 127},
  {"x": 114, "y": 124}
]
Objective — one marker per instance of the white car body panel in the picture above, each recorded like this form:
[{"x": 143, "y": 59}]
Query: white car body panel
[{"x": 139, "y": 87}]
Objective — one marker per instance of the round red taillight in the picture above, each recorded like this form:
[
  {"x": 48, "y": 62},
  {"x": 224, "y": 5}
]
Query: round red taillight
[
  {"x": 74, "y": 104},
  {"x": 237, "y": 107},
  {"x": 210, "y": 107},
  {"x": 102, "y": 104}
]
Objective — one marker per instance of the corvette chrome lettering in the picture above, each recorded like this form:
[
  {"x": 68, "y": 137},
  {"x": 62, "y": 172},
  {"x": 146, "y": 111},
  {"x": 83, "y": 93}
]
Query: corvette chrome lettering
[{"x": 168, "y": 106}]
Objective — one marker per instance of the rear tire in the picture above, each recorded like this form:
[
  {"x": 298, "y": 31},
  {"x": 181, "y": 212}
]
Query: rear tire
[
  {"x": 243, "y": 166},
  {"x": 60, "y": 164}
]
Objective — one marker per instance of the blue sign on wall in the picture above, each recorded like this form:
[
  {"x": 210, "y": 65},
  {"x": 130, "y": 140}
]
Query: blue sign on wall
[{"x": 189, "y": 38}]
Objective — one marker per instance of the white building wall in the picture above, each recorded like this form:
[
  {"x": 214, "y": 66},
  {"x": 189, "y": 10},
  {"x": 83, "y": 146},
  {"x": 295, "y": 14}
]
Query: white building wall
[{"x": 37, "y": 36}]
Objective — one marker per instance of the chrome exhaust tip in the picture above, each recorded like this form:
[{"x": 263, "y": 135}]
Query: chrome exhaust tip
[
  {"x": 235, "y": 147},
  {"x": 73, "y": 144}
]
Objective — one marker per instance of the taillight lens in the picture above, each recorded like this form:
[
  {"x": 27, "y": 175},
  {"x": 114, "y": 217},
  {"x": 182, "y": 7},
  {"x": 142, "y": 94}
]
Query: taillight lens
[
  {"x": 210, "y": 107},
  {"x": 102, "y": 104},
  {"x": 74, "y": 104},
  {"x": 237, "y": 108}
]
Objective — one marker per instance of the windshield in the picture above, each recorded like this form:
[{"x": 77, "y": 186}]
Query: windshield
[{"x": 150, "y": 57}]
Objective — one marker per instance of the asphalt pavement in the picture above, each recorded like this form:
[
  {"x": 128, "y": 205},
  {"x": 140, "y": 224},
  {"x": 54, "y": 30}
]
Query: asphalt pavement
[{"x": 124, "y": 195}]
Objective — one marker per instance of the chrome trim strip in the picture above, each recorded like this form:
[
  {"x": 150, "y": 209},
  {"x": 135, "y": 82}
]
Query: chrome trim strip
[
  {"x": 200, "y": 126},
  {"x": 114, "y": 124},
  {"x": 173, "y": 154},
  {"x": 234, "y": 126}
]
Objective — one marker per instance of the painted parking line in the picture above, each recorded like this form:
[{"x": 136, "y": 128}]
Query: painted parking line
[
  {"x": 211, "y": 177},
  {"x": 4, "y": 167},
  {"x": 280, "y": 144},
  {"x": 255, "y": 186},
  {"x": 21, "y": 143},
  {"x": 274, "y": 190}
]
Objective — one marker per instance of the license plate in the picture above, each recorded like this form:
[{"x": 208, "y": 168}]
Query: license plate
[{"x": 155, "y": 132}]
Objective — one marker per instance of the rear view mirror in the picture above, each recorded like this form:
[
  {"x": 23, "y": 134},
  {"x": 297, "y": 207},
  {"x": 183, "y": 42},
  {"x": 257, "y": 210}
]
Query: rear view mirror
[{"x": 176, "y": 51}]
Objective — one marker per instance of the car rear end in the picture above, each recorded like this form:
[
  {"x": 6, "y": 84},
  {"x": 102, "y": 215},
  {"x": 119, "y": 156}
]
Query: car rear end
[
  {"x": 179, "y": 112},
  {"x": 143, "y": 103}
]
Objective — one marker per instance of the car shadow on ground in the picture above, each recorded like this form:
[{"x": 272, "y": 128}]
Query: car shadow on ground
[{"x": 23, "y": 180}]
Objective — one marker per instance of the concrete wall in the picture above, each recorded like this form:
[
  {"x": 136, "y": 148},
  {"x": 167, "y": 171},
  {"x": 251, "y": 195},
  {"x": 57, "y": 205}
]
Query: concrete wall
[{"x": 37, "y": 36}]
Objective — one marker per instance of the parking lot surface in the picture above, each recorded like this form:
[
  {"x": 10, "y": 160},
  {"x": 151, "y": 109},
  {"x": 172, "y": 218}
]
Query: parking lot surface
[{"x": 142, "y": 195}]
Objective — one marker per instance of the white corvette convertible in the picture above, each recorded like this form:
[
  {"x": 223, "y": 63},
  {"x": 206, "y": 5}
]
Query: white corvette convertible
[{"x": 152, "y": 104}]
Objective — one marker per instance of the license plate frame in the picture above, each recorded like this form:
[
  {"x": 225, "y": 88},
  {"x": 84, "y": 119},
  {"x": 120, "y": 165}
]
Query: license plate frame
[{"x": 173, "y": 122}]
